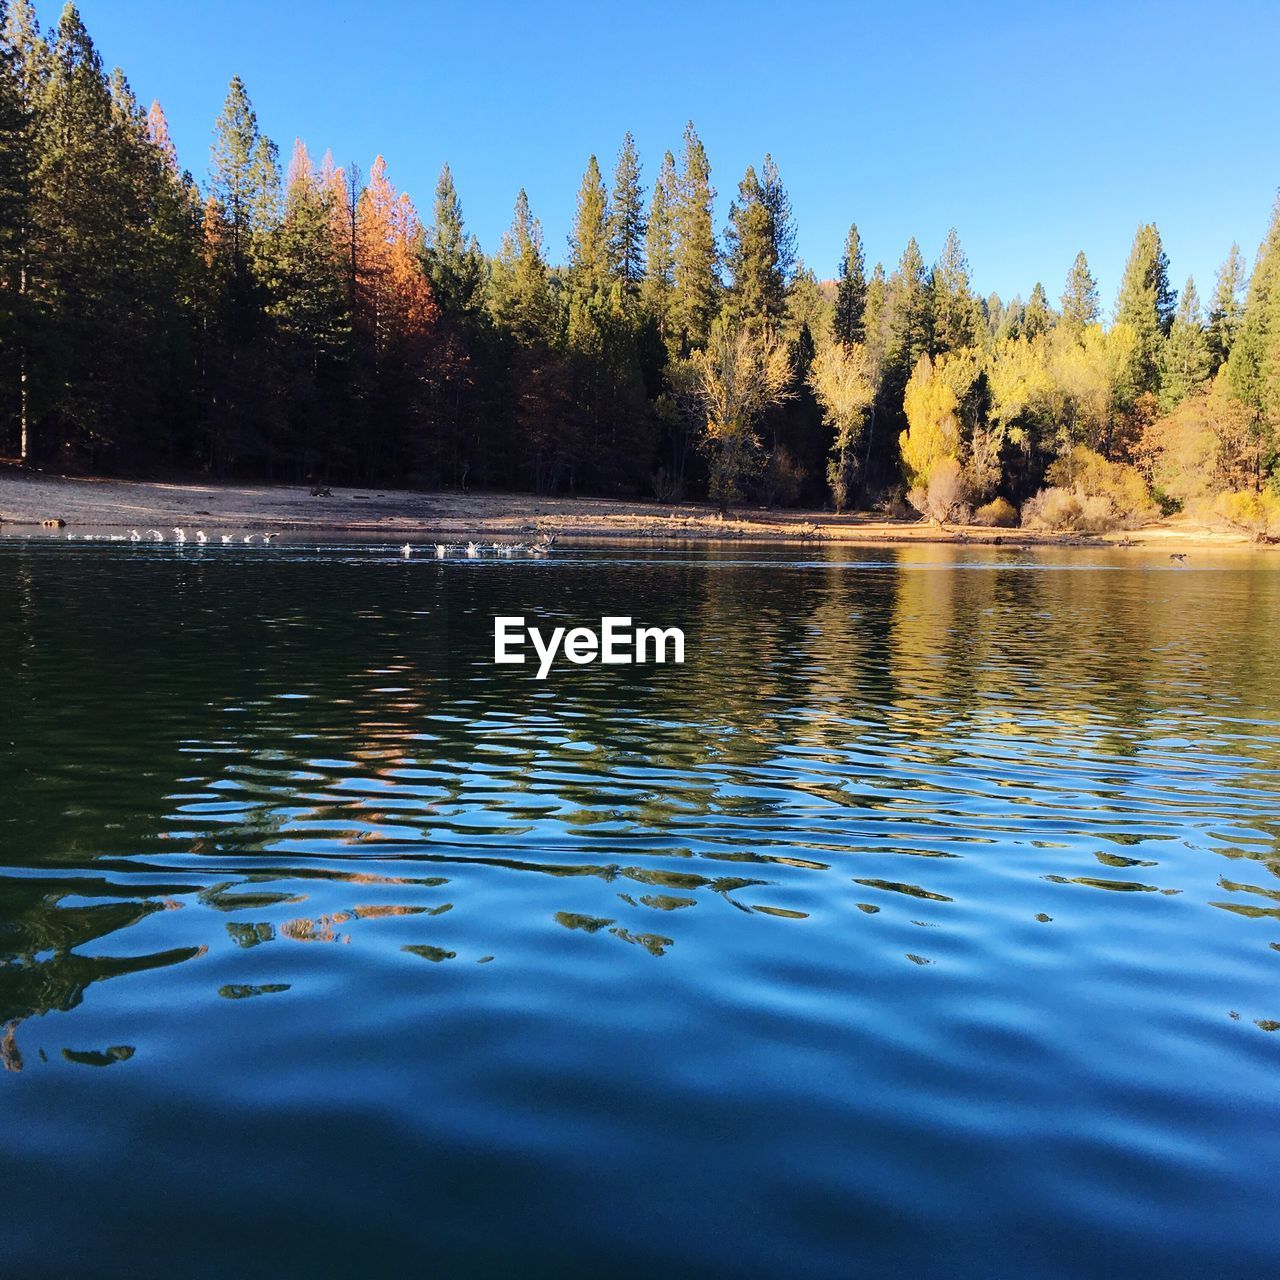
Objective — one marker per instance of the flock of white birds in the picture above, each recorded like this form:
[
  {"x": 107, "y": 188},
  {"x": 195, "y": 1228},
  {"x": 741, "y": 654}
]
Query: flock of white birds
[
  {"x": 441, "y": 550},
  {"x": 474, "y": 550},
  {"x": 199, "y": 537}
]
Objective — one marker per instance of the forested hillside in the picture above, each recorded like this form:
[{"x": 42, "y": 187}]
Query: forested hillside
[{"x": 305, "y": 322}]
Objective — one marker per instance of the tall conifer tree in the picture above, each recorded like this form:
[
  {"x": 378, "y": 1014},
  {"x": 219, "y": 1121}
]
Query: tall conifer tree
[
  {"x": 589, "y": 241},
  {"x": 16, "y": 164},
  {"x": 956, "y": 314},
  {"x": 695, "y": 257},
  {"x": 1184, "y": 358},
  {"x": 847, "y": 324},
  {"x": 1254, "y": 365},
  {"x": 1036, "y": 318},
  {"x": 452, "y": 259},
  {"x": 625, "y": 223},
  {"x": 751, "y": 255},
  {"x": 659, "y": 241},
  {"x": 1146, "y": 303},
  {"x": 1080, "y": 297},
  {"x": 520, "y": 296},
  {"x": 907, "y": 312},
  {"x": 1225, "y": 308}
]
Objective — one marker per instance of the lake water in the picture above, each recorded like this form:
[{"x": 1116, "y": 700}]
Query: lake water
[{"x": 924, "y": 923}]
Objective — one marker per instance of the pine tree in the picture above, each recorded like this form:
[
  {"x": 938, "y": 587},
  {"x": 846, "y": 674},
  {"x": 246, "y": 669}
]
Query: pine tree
[
  {"x": 874, "y": 314},
  {"x": 452, "y": 259},
  {"x": 591, "y": 331},
  {"x": 588, "y": 243},
  {"x": 695, "y": 256},
  {"x": 1080, "y": 297},
  {"x": 85, "y": 228},
  {"x": 778, "y": 203},
  {"x": 876, "y": 338},
  {"x": 603, "y": 381},
  {"x": 460, "y": 377},
  {"x": 750, "y": 253},
  {"x": 659, "y": 242},
  {"x": 626, "y": 221},
  {"x": 759, "y": 248},
  {"x": 149, "y": 356},
  {"x": 907, "y": 312},
  {"x": 1009, "y": 326},
  {"x": 1226, "y": 308},
  {"x": 851, "y": 292},
  {"x": 1146, "y": 303},
  {"x": 24, "y": 60},
  {"x": 520, "y": 294},
  {"x": 241, "y": 216},
  {"x": 1184, "y": 358},
  {"x": 16, "y": 165},
  {"x": 237, "y": 177},
  {"x": 26, "y": 51},
  {"x": 1036, "y": 317},
  {"x": 1253, "y": 368},
  {"x": 906, "y": 328},
  {"x": 245, "y": 184},
  {"x": 312, "y": 312},
  {"x": 807, "y": 305},
  {"x": 174, "y": 280},
  {"x": 955, "y": 311},
  {"x": 448, "y": 237}
]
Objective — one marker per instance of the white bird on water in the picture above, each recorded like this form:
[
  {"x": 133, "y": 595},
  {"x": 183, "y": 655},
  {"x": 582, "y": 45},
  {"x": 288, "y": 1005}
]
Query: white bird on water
[
  {"x": 248, "y": 538},
  {"x": 472, "y": 550},
  {"x": 200, "y": 537},
  {"x": 179, "y": 535},
  {"x": 134, "y": 536},
  {"x": 156, "y": 535},
  {"x": 406, "y": 551},
  {"x": 226, "y": 539},
  {"x": 441, "y": 550}
]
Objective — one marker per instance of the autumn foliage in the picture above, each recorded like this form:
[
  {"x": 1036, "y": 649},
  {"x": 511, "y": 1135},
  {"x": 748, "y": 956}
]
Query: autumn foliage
[
  {"x": 305, "y": 322},
  {"x": 394, "y": 307}
]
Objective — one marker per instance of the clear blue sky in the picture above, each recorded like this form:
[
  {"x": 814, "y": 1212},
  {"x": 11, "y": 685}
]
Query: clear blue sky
[{"x": 1036, "y": 129}]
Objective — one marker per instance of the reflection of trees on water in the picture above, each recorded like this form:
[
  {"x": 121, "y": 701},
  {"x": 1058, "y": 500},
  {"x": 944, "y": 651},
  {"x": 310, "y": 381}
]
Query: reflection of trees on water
[
  {"x": 265, "y": 740},
  {"x": 40, "y": 972}
]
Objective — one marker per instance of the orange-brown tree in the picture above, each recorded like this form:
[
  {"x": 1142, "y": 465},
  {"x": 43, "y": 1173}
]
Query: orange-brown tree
[{"x": 395, "y": 315}]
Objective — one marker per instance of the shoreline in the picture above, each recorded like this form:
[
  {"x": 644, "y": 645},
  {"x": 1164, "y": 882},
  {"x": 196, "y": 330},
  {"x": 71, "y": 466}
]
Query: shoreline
[{"x": 28, "y": 499}]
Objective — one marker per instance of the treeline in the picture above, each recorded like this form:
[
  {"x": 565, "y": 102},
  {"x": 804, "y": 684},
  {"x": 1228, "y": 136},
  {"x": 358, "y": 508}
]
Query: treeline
[{"x": 307, "y": 325}]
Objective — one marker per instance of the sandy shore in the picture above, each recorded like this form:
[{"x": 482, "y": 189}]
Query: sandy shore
[{"x": 27, "y": 499}]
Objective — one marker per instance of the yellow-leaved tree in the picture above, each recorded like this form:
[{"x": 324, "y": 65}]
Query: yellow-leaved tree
[
  {"x": 742, "y": 373},
  {"x": 841, "y": 379},
  {"x": 1089, "y": 375},
  {"x": 1021, "y": 387},
  {"x": 931, "y": 443}
]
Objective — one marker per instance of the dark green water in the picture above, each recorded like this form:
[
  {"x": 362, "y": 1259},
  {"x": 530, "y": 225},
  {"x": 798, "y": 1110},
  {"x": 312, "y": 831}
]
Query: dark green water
[{"x": 923, "y": 924}]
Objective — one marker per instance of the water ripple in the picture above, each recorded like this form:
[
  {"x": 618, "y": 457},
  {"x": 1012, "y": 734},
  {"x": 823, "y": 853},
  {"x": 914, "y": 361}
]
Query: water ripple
[{"x": 941, "y": 887}]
